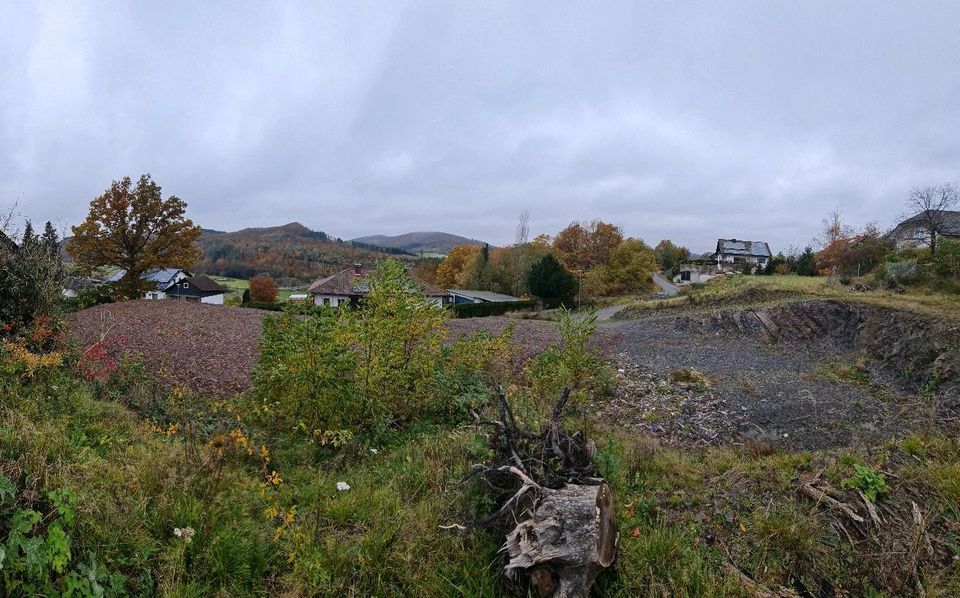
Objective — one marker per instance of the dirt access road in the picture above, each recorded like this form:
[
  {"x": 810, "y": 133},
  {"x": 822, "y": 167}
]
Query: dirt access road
[{"x": 780, "y": 393}]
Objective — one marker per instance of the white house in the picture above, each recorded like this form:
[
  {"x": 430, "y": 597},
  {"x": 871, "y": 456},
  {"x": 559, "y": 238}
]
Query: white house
[
  {"x": 197, "y": 289},
  {"x": 349, "y": 285},
  {"x": 163, "y": 279},
  {"x": 734, "y": 253},
  {"x": 913, "y": 233}
]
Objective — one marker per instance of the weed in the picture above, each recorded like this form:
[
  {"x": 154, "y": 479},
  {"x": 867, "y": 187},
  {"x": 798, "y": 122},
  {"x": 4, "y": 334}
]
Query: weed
[{"x": 871, "y": 483}]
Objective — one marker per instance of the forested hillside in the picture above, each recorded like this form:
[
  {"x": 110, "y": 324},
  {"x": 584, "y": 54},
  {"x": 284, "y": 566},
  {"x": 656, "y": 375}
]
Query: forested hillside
[
  {"x": 421, "y": 242},
  {"x": 291, "y": 251}
]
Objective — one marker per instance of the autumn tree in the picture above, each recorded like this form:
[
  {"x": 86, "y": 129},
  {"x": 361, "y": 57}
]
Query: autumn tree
[
  {"x": 932, "y": 207},
  {"x": 426, "y": 269},
  {"x": 670, "y": 256},
  {"x": 451, "y": 270},
  {"x": 583, "y": 247},
  {"x": 263, "y": 289},
  {"x": 132, "y": 227}
]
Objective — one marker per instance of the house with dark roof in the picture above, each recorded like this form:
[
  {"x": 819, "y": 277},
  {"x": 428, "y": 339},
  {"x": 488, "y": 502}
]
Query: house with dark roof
[
  {"x": 461, "y": 296},
  {"x": 72, "y": 285},
  {"x": 198, "y": 289},
  {"x": 913, "y": 233},
  {"x": 162, "y": 279},
  {"x": 348, "y": 286},
  {"x": 734, "y": 254}
]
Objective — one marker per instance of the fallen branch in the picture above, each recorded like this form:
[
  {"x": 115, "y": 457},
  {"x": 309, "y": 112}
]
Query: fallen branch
[{"x": 819, "y": 496}]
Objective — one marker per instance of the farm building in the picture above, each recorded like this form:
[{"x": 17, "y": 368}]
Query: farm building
[
  {"x": 736, "y": 253},
  {"x": 461, "y": 296},
  {"x": 198, "y": 289},
  {"x": 163, "y": 279},
  {"x": 349, "y": 285}
]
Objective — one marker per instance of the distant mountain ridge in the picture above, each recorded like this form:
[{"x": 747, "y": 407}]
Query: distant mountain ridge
[{"x": 420, "y": 242}]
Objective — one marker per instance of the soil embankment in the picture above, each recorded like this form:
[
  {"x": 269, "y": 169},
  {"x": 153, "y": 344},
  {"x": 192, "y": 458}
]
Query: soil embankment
[{"x": 914, "y": 347}]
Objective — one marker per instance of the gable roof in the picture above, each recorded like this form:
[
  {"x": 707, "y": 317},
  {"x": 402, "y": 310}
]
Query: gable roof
[
  {"x": 351, "y": 282},
  {"x": 202, "y": 283},
  {"x": 484, "y": 295},
  {"x": 163, "y": 277},
  {"x": 744, "y": 248},
  {"x": 77, "y": 283},
  {"x": 951, "y": 224}
]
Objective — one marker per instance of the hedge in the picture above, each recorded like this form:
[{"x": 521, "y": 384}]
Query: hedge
[{"x": 476, "y": 310}]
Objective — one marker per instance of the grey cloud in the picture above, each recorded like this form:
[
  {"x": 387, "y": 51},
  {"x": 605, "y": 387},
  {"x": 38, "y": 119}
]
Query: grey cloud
[{"x": 681, "y": 120}]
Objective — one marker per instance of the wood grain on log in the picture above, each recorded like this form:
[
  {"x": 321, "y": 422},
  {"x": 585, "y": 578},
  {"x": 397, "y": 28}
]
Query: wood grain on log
[{"x": 568, "y": 537}]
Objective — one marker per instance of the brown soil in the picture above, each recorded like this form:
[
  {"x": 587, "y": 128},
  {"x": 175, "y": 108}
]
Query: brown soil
[{"x": 209, "y": 349}]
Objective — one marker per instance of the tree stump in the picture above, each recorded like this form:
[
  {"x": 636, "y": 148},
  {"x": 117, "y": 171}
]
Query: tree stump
[{"x": 567, "y": 536}]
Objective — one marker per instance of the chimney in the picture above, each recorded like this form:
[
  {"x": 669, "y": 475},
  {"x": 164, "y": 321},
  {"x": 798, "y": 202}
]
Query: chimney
[{"x": 357, "y": 268}]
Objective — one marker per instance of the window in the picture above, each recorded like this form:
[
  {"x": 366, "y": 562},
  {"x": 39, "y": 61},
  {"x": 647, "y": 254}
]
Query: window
[
  {"x": 685, "y": 275},
  {"x": 186, "y": 285}
]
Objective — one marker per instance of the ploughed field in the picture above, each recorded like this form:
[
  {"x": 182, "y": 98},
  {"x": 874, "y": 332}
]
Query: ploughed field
[{"x": 700, "y": 379}]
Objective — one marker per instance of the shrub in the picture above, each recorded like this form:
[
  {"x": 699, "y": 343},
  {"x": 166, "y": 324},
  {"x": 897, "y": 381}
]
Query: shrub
[
  {"x": 366, "y": 368},
  {"x": 36, "y": 557},
  {"x": 397, "y": 335},
  {"x": 478, "y": 310},
  {"x": 263, "y": 289},
  {"x": 572, "y": 363},
  {"x": 303, "y": 378}
]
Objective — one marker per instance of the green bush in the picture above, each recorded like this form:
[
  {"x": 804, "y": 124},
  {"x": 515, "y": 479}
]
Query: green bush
[
  {"x": 36, "y": 557},
  {"x": 478, "y": 310},
  {"x": 369, "y": 367},
  {"x": 303, "y": 380},
  {"x": 571, "y": 363}
]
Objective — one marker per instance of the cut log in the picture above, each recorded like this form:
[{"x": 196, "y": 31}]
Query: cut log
[{"x": 564, "y": 540}]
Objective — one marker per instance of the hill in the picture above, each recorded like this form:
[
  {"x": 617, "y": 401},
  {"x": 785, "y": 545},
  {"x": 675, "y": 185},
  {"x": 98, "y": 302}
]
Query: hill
[
  {"x": 420, "y": 242},
  {"x": 292, "y": 253}
]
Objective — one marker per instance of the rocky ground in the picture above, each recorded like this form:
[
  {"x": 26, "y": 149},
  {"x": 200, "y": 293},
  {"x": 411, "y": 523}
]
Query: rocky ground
[{"x": 793, "y": 395}]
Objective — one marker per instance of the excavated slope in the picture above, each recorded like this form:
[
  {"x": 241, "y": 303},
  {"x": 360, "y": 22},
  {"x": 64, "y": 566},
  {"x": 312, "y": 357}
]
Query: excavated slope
[{"x": 915, "y": 347}]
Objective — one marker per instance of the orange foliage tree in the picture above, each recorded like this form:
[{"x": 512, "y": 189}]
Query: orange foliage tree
[
  {"x": 134, "y": 228},
  {"x": 263, "y": 289},
  {"x": 452, "y": 270}
]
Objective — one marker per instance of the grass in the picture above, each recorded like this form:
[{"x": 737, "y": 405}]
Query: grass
[
  {"x": 236, "y": 287},
  {"x": 752, "y": 290},
  {"x": 684, "y": 515}
]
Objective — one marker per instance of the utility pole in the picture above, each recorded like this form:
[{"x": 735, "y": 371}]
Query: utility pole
[{"x": 579, "y": 288}]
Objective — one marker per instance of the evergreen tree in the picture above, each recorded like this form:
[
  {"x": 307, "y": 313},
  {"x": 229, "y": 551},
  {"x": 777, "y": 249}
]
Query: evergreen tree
[
  {"x": 50, "y": 238},
  {"x": 549, "y": 280},
  {"x": 29, "y": 237},
  {"x": 806, "y": 263}
]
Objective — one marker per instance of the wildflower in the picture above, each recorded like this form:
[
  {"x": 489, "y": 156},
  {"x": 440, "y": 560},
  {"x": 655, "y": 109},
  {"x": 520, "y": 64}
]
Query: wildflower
[
  {"x": 374, "y": 451},
  {"x": 186, "y": 534},
  {"x": 343, "y": 486},
  {"x": 274, "y": 478}
]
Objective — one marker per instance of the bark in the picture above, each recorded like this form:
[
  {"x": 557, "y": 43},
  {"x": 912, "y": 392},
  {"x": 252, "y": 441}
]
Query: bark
[{"x": 564, "y": 540}]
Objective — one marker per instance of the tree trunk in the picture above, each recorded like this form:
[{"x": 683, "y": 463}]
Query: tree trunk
[{"x": 566, "y": 538}]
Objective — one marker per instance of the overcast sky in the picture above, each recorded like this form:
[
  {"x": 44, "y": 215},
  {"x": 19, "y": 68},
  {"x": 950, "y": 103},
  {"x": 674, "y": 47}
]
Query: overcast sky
[{"x": 681, "y": 120}]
